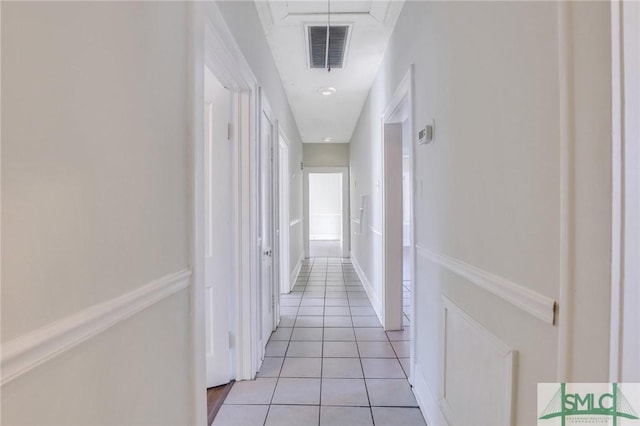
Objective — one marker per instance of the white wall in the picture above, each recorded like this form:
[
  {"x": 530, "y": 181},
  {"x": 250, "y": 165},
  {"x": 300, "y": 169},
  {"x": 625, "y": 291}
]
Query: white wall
[
  {"x": 325, "y": 206},
  {"x": 95, "y": 205},
  {"x": 242, "y": 19},
  {"x": 491, "y": 194}
]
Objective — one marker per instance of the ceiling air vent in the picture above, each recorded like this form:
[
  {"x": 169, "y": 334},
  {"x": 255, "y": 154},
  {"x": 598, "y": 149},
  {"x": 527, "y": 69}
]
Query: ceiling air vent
[{"x": 318, "y": 45}]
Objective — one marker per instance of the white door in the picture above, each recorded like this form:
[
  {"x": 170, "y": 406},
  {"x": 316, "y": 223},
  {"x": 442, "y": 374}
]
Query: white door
[
  {"x": 217, "y": 229},
  {"x": 267, "y": 293}
]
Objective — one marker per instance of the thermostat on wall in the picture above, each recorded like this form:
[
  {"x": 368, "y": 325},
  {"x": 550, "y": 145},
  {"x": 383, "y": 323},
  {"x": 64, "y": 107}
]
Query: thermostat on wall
[{"x": 425, "y": 134}]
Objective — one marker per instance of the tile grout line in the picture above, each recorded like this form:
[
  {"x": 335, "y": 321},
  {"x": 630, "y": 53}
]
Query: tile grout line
[
  {"x": 348, "y": 297},
  {"x": 284, "y": 358},
  {"x": 324, "y": 302},
  {"x": 366, "y": 389}
]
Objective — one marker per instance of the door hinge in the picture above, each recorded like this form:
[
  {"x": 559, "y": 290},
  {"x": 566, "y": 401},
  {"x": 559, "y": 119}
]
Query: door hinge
[{"x": 229, "y": 131}]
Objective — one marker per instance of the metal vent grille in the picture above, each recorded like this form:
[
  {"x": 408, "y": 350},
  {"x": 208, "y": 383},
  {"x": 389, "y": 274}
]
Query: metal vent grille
[{"x": 318, "y": 46}]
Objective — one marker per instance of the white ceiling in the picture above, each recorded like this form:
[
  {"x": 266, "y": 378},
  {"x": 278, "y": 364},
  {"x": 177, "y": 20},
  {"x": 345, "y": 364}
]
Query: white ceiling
[{"x": 332, "y": 116}]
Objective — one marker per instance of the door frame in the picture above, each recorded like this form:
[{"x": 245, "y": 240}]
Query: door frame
[
  {"x": 401, "y": 99},
  {"x": 346, "y": 231},
  {"x": 264, "y": 108},
  {"x": 284, "y": 206},
  {"x": 212, "y": 44},
  {"x": 624, "y": 345}
]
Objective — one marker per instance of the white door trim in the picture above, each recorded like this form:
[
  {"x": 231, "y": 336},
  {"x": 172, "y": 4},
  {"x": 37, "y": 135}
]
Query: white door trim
[
  {"x": 402, "y": 98},
  {"x": 265, "y": 109},
  {"x": 212, "y": 44},
  {"x": 346, "y": 232},
  {"x": 284, "y": 204},
  {"x": 624, "y": 356}
]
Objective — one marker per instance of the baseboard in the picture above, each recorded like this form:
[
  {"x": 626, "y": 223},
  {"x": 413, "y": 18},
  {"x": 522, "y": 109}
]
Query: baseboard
[
  {"x": 427, "y": 401},
  {"x": 324, "y": 237},
  {"x": 296, "y": 272},
  {"x": 373, "y": 297},
  {"x": 26, "y": 352}
]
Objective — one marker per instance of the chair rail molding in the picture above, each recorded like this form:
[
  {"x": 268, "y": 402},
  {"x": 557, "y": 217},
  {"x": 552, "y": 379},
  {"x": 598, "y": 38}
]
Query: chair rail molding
[
  {"x": 32, "y": 349},
  {"x": 534, "y": 303}
]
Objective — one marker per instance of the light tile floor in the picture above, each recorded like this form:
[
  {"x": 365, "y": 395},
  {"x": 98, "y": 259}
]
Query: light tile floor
[{"x": 329, "y": 362}]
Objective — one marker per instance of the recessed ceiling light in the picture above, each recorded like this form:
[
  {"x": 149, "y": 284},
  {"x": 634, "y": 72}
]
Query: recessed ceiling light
[
  {"x": 327, "y": 139},
  {"x": 327, "y": 91}
]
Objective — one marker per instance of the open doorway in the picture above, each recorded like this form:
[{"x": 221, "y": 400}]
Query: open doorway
[
  {"x": 326, "y": 210},
  {"x": 325, "y": 214},
  {"x": 398, "y": 229}
]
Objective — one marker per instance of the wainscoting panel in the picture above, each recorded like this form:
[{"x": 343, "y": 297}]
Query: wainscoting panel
[{"x": 477, "y": 373}]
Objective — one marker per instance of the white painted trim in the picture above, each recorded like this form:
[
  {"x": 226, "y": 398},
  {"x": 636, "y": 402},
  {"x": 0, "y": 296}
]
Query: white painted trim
[
  {"x": 211, "y": 44},
  {"x": 428, "y": 403},
  {"x": 226, "y": 60},
  {"x": 368, "y": 288},
  {"x": 284, "y": 208},
  {"x": 507, "y": 353},
  {"x": 223, "y": 54},
  {"x": 266, "y": 111},
  {"x": 617, "y": 179},
  {"x": 531, "y": 302},
  {"x": 565, "y": 298},
  {"x": 295, "y": 222},
  {"x": 243, "y": 225},
  {"x": 296, "y": 270},
  {"x": 24, "y": 353},
  {"x": 624, "y": 354},
  {"x": 196, "y": 64},
  {"x": 324, "y": 237},
  {"x": 392, "y": 312}
]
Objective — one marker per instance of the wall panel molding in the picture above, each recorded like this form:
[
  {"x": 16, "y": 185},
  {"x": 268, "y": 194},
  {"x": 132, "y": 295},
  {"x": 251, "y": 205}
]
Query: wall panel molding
[
  {"x": 477, "y": 372},
  {"x": 534, "y": 303},
  {"x": 26, "y": 352},
  {"x": 427, "y": 401}
]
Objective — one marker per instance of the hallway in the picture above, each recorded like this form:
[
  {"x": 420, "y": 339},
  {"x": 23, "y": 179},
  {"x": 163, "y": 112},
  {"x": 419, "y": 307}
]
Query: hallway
[
  {"x": 162, "y": 239},
  {"x": 329, "y": 362}
]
